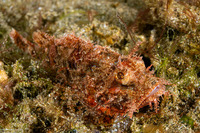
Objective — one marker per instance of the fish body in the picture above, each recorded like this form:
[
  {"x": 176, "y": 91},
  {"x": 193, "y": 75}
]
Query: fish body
[{"x": 109, "y": 83}]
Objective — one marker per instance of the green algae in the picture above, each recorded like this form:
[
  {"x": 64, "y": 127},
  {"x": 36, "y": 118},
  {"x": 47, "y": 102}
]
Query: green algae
[{"x": 189, "y": 121}]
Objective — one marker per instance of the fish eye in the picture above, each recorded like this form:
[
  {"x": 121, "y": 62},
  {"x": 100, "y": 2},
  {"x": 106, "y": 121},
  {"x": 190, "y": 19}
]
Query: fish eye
[
  {"x": 120, "y": 75},
  {"x": 153, "y": 82}
]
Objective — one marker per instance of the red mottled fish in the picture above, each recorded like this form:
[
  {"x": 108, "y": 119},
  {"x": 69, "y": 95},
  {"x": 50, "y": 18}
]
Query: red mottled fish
[{"x": 109, "y": 83}]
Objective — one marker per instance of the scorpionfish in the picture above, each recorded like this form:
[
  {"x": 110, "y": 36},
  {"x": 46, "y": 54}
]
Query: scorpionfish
[{"x": 110, "y": 84}]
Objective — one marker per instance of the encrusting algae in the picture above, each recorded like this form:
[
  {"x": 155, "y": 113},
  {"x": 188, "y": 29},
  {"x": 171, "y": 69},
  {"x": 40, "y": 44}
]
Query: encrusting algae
[
  {"x": 108, "y": 83},
  {"x": 37, "y": 96}
]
